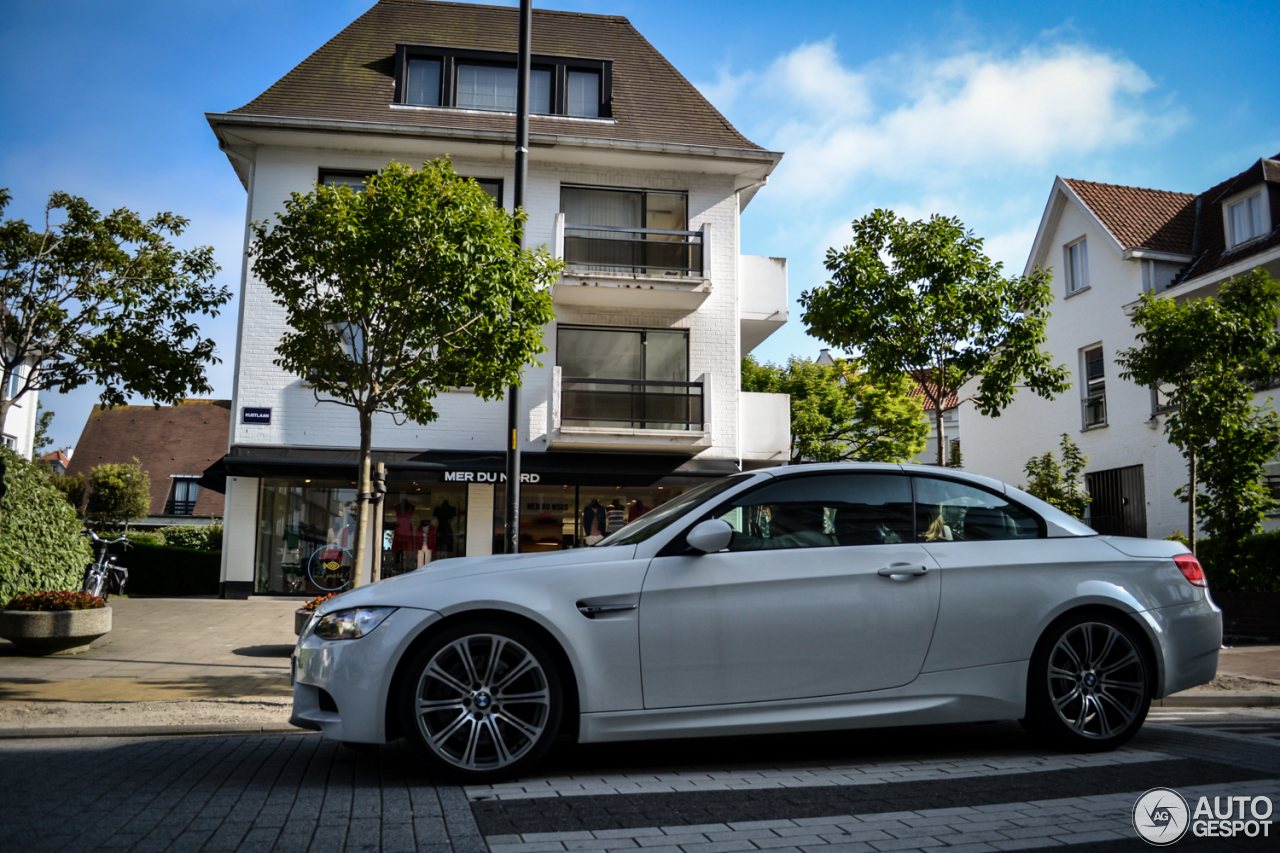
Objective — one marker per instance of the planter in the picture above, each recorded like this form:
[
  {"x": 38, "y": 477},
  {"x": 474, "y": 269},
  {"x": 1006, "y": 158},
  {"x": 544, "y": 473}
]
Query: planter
[
  {"x": 50, "y": 631},
  {"x": 300, "y": 619},
  {"x": 1249, "y": 615}
]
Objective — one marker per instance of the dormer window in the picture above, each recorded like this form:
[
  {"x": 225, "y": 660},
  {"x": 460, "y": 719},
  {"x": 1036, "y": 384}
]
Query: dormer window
[
  {"x": 486, "y": 80},
  {"x": 1246, "y": 218}
]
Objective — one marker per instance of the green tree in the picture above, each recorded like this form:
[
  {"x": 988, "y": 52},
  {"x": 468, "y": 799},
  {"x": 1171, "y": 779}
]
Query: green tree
[
  {"x": 1208, "y": 357},
  {"x": 1059, "y": 483},
  {"x": 40, "y": 546},
  {"x": 72, "y": 488},
  {"x": 921, "y": 296},
  {"x": 839, "y": 414},
  {"x": 415, "y": 285},
  {"x": 44, "y": 423},
  {"x": 103, "y": 299},
  {"x": 119, "y": 493}
]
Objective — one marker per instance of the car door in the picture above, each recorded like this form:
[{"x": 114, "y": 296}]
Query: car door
[{"x": 822, "y": 592}]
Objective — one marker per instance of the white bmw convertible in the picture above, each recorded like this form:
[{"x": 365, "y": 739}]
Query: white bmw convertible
[{"x": 791, "y": 599}]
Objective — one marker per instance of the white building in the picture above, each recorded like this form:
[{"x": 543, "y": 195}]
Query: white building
[
  {"x": 19, "y": 431},
  {"x": 634, "y": 179},
  {"x": 1105, "y": 245}
]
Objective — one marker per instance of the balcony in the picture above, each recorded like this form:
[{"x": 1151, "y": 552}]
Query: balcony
[
  {"x": 762, "y": 289},
  {"x": 629, "y": 414},
  {"x": 181, "y": 507},
  {"x": 632, "y": 268}
]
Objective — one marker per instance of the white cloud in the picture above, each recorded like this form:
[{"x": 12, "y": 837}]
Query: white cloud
[{"x": 936, "y": 120}]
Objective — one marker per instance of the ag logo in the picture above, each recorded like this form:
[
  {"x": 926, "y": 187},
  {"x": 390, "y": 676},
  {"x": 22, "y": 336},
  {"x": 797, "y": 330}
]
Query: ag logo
[{"x": 1160, "y": 816}]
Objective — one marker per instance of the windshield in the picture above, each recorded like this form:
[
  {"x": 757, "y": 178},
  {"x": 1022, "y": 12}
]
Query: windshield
[{"x": 658, "y": 519}]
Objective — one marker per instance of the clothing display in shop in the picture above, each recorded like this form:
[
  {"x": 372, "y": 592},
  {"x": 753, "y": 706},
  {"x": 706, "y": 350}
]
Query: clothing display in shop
[
  {"x": 444, "y": 516},
  {"x": 636, "y": 510},
  {"x": 616, "y": 516},
  {"x": 405, "y": 538},
  {"x": 594, "y": 520}
]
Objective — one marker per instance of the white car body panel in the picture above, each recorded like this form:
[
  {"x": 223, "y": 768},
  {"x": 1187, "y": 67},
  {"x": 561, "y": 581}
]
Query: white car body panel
[{"x": 719, "y": 644}]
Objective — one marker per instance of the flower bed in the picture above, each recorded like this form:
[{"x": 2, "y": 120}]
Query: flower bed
[
  {"x": 55, "y": 601},
  {"x": 303, "y": 614}
]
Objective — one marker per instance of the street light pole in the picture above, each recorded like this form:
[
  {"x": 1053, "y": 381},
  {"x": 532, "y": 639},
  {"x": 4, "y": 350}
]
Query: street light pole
[{"x": 512, "y": 527}]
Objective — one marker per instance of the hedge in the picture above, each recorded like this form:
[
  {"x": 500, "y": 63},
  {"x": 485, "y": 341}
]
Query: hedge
[
  {"x": 41, "y": 546},
  {"x": 166, "y": 570},
  {"x": 1252, "y": 566}
]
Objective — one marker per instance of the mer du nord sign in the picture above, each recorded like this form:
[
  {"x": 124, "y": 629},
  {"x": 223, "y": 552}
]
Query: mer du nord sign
[{"x": 486, "y": 477}]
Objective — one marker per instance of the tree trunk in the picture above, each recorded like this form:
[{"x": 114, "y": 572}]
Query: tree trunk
[
  {"x": 942, "y": 438},
  {"x": 1191, "y": 503},
  {"x": 363, "y": 488}
]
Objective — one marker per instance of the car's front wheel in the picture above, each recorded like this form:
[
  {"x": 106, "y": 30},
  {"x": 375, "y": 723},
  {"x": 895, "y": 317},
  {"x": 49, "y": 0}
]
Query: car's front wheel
[
  {"x": 1090, "y": 684},
  {"x": 481, "y": 701}
]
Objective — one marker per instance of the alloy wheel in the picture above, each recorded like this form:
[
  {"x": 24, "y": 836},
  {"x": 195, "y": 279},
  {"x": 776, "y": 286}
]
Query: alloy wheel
[
  {"x": 1097, "y": 680},
  {"x": 482, "y": 702}
]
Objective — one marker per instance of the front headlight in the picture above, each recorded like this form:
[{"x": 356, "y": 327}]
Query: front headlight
[{"x": 350, "y": 624}]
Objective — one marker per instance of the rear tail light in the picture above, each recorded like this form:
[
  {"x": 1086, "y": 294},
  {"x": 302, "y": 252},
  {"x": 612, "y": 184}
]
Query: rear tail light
[{"x": 1191, "y": 569}]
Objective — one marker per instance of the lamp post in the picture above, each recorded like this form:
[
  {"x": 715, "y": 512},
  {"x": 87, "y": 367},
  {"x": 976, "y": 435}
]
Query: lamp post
[{"x": 512, "y": 526}]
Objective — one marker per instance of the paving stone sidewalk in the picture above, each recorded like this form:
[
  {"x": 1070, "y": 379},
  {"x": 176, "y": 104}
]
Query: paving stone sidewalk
[{"x": 165, "y": 649}]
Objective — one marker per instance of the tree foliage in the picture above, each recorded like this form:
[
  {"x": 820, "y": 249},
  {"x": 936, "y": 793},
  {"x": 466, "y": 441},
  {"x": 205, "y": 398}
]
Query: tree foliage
[
  {"x": 104, "y": 299},
  {"x": 71, "y": 487},
  {"x": 1059, "y": 483},
  {"x": 838, "y": 414},
  {"x": 42, "y": 440},
  {"x": 1208, "y": 357},
  {"x": 392, "y": 294},
  {"x": 40, "y": 544},
  {"x": 118, "y": 493},
  {"x": 922, "y": 296}
]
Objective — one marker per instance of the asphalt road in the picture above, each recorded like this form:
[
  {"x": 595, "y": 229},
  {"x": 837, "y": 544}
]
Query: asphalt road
[{"x": 954, "y": 788}]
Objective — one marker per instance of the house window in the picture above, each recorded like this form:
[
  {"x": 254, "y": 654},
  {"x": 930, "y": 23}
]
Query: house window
[
  {"x": 487, "y": 80},
  {"x": 631, "y": 231},
  {"x": 493, "y": 186},
  {"x": 1076, "y": 263},
  {"x": 1095, "y": 389},
  {"x": 1245, "y": 220},
  {"x": 15, "y": 384},
  {"x": 10, "y": 442},
  {"x": 185, "y": 494},
  {"x": 344, "y": 178},
  {"x": 627, "y": 378}
]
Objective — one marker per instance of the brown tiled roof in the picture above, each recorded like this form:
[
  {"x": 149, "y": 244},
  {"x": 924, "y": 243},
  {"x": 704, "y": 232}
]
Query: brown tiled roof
[
  {"x": 1211, "y": 240},
  {"x": 182, "y": 439},
  {"x": 1142, "y": 218},
  {"x": 57, "y": 456},
  {"x": 351, "y": 77},
  {"x": 917, "y": 390}
]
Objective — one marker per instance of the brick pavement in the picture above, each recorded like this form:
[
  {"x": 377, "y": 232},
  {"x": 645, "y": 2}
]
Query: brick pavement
[
  {"x": 163, "y": 649},
  {"x": 1251, "y": 661}
]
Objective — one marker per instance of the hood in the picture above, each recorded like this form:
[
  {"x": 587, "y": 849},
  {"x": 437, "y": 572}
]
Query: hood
[{"x": 396, "y": 588}]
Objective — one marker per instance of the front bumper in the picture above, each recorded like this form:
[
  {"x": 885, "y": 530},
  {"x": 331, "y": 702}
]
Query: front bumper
[
  {"x": 1190, "y": 636},
  {"x": 356, "y": 675}
]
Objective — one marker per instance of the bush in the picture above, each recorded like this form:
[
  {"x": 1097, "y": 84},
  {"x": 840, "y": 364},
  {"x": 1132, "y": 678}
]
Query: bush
[
  {"x": 71, "y": 487},
  {"x": 40, "y": 543},
  {"x": 1251, "y": 566},
  {"x": 166, "y": 570},
  {"x": 49, "y": 601},
  {"x": 200, "y": 537},
  {"x": 136, "y": 537}
]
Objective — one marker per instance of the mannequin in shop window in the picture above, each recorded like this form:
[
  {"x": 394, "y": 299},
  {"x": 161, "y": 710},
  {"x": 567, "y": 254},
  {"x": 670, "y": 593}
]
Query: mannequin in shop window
[
  {"x": 594, "y": 522},
  {"x": 636, "y": 510},
  {"x": 444, "y": 516},
  {"x": 617, "y": 515},
  {"x": 406, "y": 541}
]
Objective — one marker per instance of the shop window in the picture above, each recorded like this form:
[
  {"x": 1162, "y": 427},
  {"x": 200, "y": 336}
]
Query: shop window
[
  {"x": 553, "y": 518},
  {"x": 422, "y": 523}
]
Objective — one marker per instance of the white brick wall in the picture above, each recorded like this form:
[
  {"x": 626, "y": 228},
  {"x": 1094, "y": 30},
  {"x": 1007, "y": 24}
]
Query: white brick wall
[{"x": 467, "y": 423}]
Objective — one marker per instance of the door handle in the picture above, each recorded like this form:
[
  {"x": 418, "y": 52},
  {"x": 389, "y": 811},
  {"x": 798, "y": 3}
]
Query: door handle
[{"x": 902, "y": 571}]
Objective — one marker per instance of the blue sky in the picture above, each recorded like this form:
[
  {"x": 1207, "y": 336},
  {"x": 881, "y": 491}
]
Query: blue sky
[{"x": 966, "y": 109}]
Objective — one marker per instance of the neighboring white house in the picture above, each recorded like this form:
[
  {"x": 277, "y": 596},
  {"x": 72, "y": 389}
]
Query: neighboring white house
[
  {"x": 19, "y": 431},
  {"x": 1105, "y": 245},
  {"x": 634, "y": 179}
]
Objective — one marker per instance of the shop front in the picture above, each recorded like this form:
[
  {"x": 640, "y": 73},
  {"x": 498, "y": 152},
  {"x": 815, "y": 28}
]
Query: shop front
[{"x": 302, "y": 506}]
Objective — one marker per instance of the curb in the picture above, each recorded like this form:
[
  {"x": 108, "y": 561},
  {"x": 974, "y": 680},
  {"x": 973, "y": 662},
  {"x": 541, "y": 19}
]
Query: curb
[
  {"x": 150, "y": 731},
  {"x": 1225, "y": 699}
]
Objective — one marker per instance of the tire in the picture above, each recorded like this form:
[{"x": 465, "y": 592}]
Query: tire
[
  {"x": 1090, "y": 683},
  {"x": 472, "y": 728},
  {"x": 94, "y": 583}
]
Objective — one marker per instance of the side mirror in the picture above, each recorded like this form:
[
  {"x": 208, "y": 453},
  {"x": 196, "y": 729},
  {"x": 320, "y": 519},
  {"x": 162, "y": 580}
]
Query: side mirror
[{"x": 710, "y": 536}]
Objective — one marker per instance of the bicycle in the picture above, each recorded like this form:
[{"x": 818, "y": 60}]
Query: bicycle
[{"x": 103, "y": 577}]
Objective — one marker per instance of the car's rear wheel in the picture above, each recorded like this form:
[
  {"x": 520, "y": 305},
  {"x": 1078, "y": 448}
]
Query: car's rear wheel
[
  {"x": 481, "y": 701},
  {"x": 1090, "y": 683}
]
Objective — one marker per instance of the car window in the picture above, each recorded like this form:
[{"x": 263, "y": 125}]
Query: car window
[
  {"x": 823, "y": 511},
  {"x": 659, "y": 519},
  {"x": 947, "y": 511}
]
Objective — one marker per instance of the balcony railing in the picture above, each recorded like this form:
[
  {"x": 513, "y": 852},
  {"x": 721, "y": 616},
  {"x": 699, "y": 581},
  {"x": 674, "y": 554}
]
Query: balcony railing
[
  {"x": 631, "y": 404},
  {"x": 638, "y": 251},
  {"x": 182, "y": 507},
  {"x": 1094, "y": 410}
]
